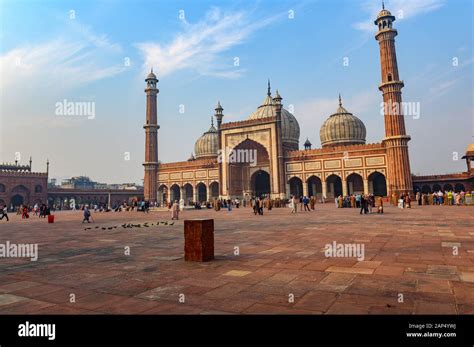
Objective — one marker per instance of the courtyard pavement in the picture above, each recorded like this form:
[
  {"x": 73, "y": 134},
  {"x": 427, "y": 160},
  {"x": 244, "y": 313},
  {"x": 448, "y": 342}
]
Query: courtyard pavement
[{"x": 417, "y": 261}]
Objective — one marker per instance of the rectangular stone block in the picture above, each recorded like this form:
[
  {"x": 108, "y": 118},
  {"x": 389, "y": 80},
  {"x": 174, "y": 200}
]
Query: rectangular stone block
[{"x": 198, "y": 239}]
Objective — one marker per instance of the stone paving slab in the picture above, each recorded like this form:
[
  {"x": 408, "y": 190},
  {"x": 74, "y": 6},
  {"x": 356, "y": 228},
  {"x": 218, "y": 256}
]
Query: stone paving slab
[{"x": 281, "y": 267}]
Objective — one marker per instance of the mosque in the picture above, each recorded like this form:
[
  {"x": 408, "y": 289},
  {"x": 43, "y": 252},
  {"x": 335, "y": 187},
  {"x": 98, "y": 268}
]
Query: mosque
[{"x": 270, "y": 161}]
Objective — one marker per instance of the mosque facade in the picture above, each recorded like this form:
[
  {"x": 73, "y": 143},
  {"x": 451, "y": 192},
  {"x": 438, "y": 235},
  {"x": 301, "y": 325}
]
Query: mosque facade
[{"x": 261, "y": 155}]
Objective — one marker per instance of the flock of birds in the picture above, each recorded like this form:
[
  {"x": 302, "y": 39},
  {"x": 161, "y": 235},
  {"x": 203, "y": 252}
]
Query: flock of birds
[{"x": 131, "y": 225}]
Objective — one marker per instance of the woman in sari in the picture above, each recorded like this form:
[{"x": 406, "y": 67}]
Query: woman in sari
[{"x": 175, "y": 210}]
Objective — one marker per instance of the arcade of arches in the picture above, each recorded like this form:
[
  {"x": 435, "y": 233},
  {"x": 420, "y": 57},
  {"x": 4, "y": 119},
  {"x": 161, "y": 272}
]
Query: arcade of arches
[
  {"x": 432, "y": 188},
  {"x": 200, "y": 192},
  {"x": 334, "y": 186}
]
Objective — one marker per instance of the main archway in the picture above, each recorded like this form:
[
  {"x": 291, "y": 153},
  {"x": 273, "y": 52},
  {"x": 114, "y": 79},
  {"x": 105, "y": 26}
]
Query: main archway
[
  {"x": 247, "y": 159},
  {"x": 260, "y": 181},
  {"x": 20, "y": 195},
  {"x": 17, "y": 200}
]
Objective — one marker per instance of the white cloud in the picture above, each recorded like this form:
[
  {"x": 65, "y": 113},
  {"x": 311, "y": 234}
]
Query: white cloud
[
  {"x": 198, "y": 46},
  {"x": 401, "y": 9},
  {"x": 443, "y": 87},
  {"x": 77, "y": 57}
]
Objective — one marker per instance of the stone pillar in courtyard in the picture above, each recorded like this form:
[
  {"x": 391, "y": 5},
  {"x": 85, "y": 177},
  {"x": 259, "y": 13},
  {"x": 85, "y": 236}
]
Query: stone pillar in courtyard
[{"x": 199, "y": 240}]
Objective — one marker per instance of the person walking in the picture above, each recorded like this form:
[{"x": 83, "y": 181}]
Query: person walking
[
  {"x": 379, "y": 204},
  {"x": 296, "y": 201},
  {"x": 255, "y": 203},
  {"x": 293, "y": 205},
  {"x": 175, "y": 210},
  {"x": 260, "y": 207},
  {"x": 306, "y": 202},
  {"x": 312, "y": 202},
  {"x": 87, "y": 215},
  {"x": 4, "y": 213},
  {"x": 363, "y": 202},
  {"x": 25, "y": 214}
]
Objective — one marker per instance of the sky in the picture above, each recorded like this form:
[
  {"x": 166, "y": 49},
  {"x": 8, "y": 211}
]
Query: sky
[{"x": 99, "y": 52}]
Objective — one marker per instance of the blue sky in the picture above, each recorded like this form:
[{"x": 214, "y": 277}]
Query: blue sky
[{"x": 100, "y": 51}]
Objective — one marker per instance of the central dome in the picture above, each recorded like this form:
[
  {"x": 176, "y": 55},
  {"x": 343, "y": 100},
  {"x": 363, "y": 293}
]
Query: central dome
[
  {"x": 342, "y": 128},
  {"x": 289, "y": 124}
]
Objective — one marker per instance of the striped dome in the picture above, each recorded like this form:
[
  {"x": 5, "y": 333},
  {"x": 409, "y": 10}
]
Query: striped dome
[
  {"x": 289, "y": 124},
  {"x": 207, "y": 145},
  {"x": 342, "y": 128}
]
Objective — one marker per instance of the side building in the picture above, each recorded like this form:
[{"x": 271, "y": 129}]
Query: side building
[{"x": 20, "y": 185}]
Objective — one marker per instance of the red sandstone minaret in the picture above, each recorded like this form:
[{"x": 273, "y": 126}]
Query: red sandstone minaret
[
  {"x": 151, "y": 142},
  {"x": 396, "y": 140}
]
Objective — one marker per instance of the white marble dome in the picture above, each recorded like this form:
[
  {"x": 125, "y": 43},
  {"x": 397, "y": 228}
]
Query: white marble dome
[
  {"x": 207, "y": 145},
  {"x": 342, "y": 128}
]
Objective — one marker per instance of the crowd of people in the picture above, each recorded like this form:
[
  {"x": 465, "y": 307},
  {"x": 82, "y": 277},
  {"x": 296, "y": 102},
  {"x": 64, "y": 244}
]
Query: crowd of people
[
  {"x": 40, "y": 210},
  {"x": 448, "y": 197},
  {"x": 305, "y": 203},
  {"x": 365, "y": 202}
]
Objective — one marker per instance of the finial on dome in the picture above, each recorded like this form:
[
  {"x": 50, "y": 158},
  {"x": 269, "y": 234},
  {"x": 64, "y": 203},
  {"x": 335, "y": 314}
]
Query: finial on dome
[
  {"x": 383, "y": 5},
  {"x": 269, "y": 93},
  {"x": 340, "y": 101},
  {"x": 152, "y": 69},
  {"x": 212, "y": 121}
]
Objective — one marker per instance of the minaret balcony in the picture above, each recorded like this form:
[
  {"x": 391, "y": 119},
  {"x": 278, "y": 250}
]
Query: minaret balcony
[
  {"x": 390, "y": 33},
  {"x": 392, "y": 86}
]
